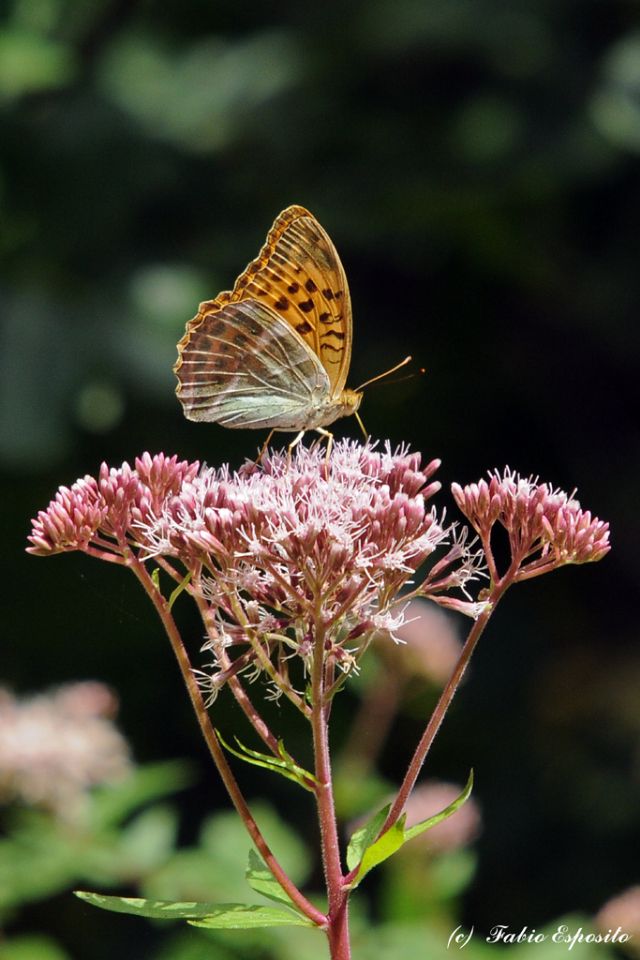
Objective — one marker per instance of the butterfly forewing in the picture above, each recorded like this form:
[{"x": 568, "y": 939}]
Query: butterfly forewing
[
  {"x": 243, "y": 366},
  {"x": 299, "y": 275}
]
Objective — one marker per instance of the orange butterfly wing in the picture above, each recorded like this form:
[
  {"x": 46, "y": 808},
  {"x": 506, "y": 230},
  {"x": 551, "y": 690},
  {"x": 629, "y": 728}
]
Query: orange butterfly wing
[{"x": 298, "y": 274}]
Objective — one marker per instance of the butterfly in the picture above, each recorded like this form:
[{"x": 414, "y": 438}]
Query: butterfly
[{"x": 274, "y": 352}]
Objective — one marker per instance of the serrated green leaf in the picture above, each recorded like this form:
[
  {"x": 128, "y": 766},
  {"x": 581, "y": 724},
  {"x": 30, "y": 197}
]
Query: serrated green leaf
[
  {"x": 367, "y": 851},
  {"x": 260, "y": 879},
  {"x": 240, "y": 916},
  {"x": 381, "y": 850},
  {"x": 365, "y": 836},
  {"x": 286, "y": 767},
  {"x": 154, "y": 909},
  {"x": 218, "y": 916},
  {"x": 419, "y": 828}
]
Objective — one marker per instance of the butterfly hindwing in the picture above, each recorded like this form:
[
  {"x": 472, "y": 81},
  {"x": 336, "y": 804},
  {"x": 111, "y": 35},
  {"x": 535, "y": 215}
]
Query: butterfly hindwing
[
  {"x": 241, "y": 365},
  {"x": 299, "y": 275}
]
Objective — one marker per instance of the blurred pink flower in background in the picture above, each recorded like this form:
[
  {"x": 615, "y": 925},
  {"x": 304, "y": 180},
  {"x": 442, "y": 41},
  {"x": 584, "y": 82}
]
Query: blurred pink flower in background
[
  {"x": 622, "y": 911},
  {"x": 431, "y": 645},
  {"x": 55, "y": 746},
  {"x": 430, "y": 798}
]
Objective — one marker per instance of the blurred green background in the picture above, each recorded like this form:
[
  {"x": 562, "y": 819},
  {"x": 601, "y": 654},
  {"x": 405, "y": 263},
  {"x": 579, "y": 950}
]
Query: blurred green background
[{"x": 477, "y": 164}]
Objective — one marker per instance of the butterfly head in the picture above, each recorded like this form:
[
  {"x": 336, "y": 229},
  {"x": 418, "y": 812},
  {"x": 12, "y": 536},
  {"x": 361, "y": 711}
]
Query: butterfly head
[
  {"x": 327, "y": 410},
  {"x": 349, "y": 400}
]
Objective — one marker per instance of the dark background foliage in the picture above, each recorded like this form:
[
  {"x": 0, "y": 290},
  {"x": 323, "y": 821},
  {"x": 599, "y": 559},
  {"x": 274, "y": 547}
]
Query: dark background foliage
[{"x": 476, "y": 163}]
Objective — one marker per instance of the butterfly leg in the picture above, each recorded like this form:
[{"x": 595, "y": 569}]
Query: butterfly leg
[
  {"x": 264, "y": 448},
  {"x": 294, "y": 443},
  {"x": 329, "y": 436}
]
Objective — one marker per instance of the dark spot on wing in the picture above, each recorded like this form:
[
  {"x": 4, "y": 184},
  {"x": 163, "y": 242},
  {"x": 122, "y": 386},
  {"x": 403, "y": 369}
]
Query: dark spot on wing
[
  {"x": 217, "y": 327},
  {"x": 304, "y": 327},
  {"x": 310, "y": 286},
  {"x": 282, "y": 304},
  {"x": 325, "y": 317},
  {"x": 293, "y": 287},
  {"x": 327, "y": 294},
  {"x": 333, "y": 333},
  {"x": 305, "y": 306}
]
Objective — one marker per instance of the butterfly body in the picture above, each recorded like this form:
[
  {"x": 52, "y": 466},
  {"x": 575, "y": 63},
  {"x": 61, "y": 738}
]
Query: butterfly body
[{"x": 274, "y": 352}]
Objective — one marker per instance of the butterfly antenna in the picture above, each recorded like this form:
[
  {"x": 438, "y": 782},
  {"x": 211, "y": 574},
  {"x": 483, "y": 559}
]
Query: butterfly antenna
[
  {"x": 386, "y": 373},
  {"x": 408, "y": 376},
  {"x": 361, "y": 424}
]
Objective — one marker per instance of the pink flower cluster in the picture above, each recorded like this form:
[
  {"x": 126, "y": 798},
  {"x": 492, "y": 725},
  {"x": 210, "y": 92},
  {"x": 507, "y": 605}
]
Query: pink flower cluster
[
  {"x": 547, "y": 528},
  {"x": 272, "y": 549},
  {"x": 101, "y": 513},
  {"x": 299, "y": 546}
]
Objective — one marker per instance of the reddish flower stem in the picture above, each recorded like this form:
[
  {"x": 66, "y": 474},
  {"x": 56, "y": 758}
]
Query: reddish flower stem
[
  {"x": 443, "y": 704},
  {"x": 244, "y": 702},
  {"x": 338, "y": 918},
  {"x": 209, "y": 734}
]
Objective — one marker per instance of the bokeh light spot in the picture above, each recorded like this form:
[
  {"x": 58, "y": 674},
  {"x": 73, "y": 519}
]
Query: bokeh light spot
[{"x": 99, "y": 406}]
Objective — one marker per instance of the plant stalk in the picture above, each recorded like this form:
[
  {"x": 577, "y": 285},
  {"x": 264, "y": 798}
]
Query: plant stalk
[
  {"x": 338, "y": 917},
  {"x": 215, "y": 748},
  {"x": 442, "y": 706}
]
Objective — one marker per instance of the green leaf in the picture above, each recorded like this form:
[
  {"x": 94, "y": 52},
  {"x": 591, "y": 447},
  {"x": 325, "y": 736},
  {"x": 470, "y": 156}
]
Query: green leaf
[
  {"x": 30, "y": 63},
  {"x": 149, "y": 839},
  {"x": 178, "y": 590},
  {"x": 31, "y": 948},
  {"x": 35, "y": 863},
  {"x": 110, "y": 805},
  {"x": 364, "y": 837},
  {"x": 419, "y": 828},
  {"x": 452, "y": 872},
  {"x": 211, "y": 915},
  {"x": 365, "y": 851},
  {"x": 240, "y": 916},
  {"x": 154, "y": 909},
  {"x": 383, "y": 848},
  {"x": 224, "y": 834},
  {"x": 212, "y": 871},
  {"x": 260, "y": 879},
  {"x": 286, "y": 766}
]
